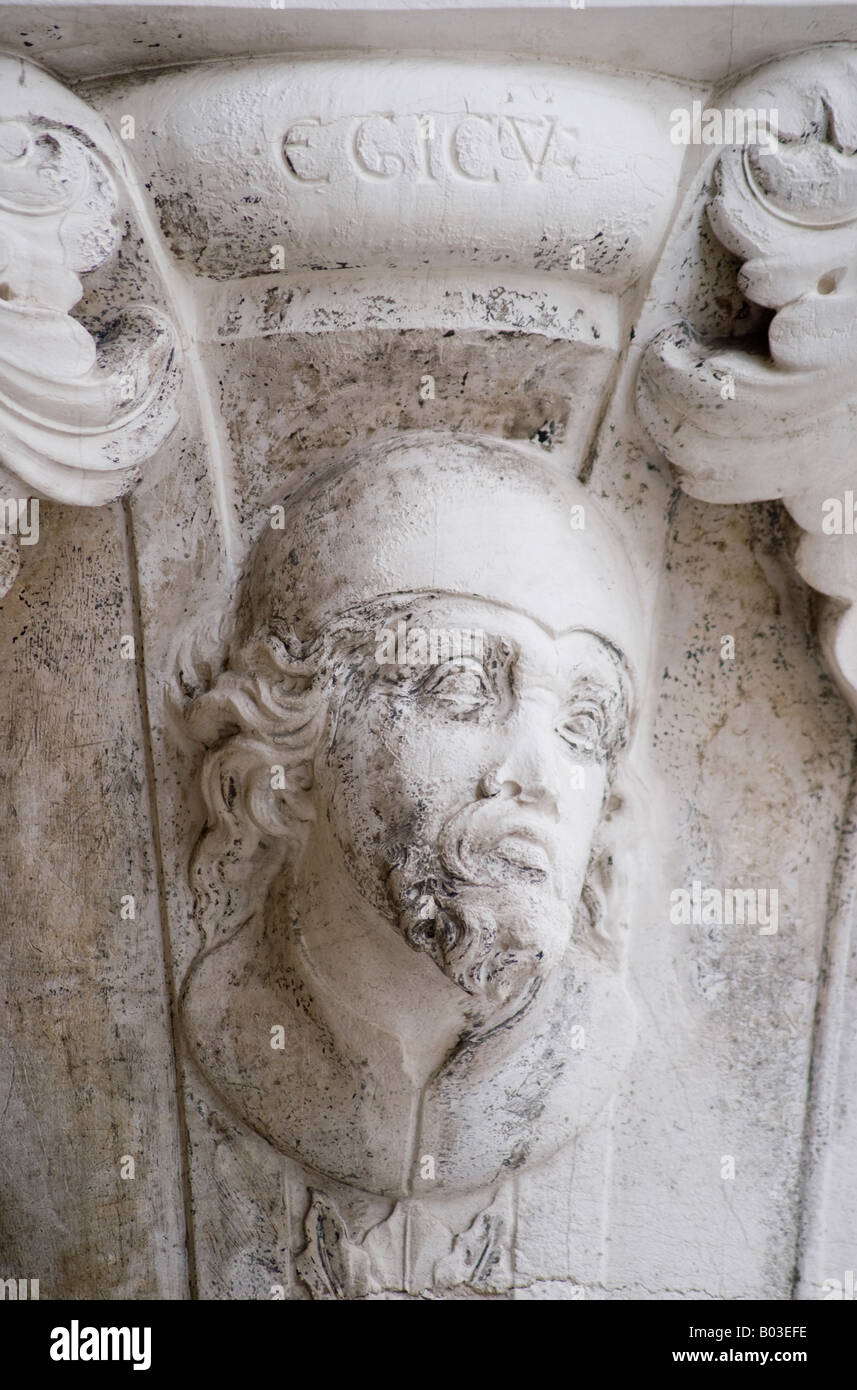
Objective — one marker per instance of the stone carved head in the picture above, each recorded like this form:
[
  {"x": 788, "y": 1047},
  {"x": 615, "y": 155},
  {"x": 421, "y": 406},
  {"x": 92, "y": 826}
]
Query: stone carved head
[{"x": 410, "y": 883}]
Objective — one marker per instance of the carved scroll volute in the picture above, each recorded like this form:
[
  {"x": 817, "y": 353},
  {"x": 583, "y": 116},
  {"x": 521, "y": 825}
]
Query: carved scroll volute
[
  {"x": 78, "y": 416},
  {"x": 775, "y": 415}
]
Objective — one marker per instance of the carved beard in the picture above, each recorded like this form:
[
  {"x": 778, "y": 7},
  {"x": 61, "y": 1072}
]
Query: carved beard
[{"x": 485, "y": 903}]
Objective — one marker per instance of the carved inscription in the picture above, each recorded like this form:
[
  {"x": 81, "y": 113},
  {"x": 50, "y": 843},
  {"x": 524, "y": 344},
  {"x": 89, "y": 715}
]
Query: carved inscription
[{"x": 426, "y": 148}]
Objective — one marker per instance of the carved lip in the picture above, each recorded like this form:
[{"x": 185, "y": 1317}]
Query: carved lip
[{"x": 522, "y": 848}]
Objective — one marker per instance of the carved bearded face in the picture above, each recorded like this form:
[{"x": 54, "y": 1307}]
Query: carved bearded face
[
  {"x": 414, "y": 797},
  {"x": 461, "y": 782}
]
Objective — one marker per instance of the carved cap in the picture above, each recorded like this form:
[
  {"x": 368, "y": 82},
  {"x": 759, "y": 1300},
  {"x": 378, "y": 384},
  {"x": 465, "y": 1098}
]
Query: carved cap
[{"x": 437, "y": 512}]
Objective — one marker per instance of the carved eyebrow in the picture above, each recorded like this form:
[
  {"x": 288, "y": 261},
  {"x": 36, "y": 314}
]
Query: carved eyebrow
[
  {"x": 603, "y": 662},
  {"x": 495, "y": 650},
  {"x": 594, "y": 683},
  {"x": 501, "y": 647},
  {"x": 613, "y": 696}
]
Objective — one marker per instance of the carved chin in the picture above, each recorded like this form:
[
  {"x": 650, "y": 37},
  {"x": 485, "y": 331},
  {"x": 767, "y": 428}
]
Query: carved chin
[{"x": 498, "y": 946}]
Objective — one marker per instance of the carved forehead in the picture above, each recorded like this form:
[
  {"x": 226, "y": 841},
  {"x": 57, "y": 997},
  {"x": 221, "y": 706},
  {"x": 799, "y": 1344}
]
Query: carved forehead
[{"x": 470, "y": 516}]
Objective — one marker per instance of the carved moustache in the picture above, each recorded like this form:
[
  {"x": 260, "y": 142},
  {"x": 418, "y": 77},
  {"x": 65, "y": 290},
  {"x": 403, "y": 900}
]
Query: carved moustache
[
  {"x": 483, "y": 845},
  {"x": 487, "y": 840}
]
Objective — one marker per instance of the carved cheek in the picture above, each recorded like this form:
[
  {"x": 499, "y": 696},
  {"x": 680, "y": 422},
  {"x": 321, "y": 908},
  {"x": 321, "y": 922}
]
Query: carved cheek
[{"x": 580, "y": 811}]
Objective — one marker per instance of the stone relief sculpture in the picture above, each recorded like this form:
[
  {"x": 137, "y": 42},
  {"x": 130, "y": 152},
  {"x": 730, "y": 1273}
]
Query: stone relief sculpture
[
  {"x": 456, "y": 319},
  {"x": 418, "y": 832}
]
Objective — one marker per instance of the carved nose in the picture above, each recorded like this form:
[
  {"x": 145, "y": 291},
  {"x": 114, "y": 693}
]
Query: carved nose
[{"x": 527, "y": 774}]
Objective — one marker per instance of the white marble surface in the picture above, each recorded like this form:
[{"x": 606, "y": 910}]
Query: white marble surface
[{"x": 485, "y": 234}]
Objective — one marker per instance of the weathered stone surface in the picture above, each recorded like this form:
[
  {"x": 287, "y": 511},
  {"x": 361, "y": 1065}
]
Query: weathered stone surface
[
  {"x": 88, "y": 1079},
  {"x": 414, "y": 1013}
]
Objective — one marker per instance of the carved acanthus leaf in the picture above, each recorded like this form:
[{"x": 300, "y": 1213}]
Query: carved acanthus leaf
[
  {"x": 79, "y": 411},
  {"x": 749, "y": 420}
]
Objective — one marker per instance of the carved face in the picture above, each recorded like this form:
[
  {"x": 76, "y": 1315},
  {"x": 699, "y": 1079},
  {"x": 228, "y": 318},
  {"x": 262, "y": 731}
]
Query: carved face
[
  {"x": 461, "y": 783},
  {"x": 408, "y": 861}
]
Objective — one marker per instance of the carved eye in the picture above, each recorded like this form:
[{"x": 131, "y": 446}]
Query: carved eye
[
  {"x": 461, "y": 686},
  {"x": 584, "y": 728}
]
